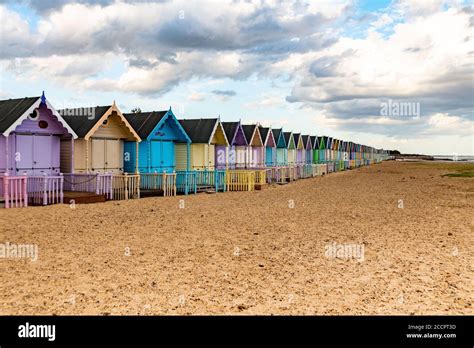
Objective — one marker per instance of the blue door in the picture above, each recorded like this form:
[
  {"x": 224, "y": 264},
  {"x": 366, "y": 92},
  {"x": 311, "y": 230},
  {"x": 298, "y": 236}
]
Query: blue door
[
  {"x": 269, "y": 156},
  {"x": 167, "y": 156},
  {"x": 162, "y": 156}
]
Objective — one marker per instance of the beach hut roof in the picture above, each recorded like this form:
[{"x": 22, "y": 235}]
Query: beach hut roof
[
  {"x": 314, "y": 141},
  {"x": 267, "y": 135},
  {"x": 287, "y": 136},
  {"x": 231, "y": 129},
  {"x": 250, "y": 131},
  {"x": 264, "y": 132},
  {"x": 306, "y": 141},
  {"x": 82, "y": 125},
  {"x": 14, "y": 111},
  {"x": 296, "y": 138},
  {"x": 145, "y": 123},
  {"x": 201, "y": 130},
  {"x": 277, "y": 135},
  {"x": 85, "y": 126}
]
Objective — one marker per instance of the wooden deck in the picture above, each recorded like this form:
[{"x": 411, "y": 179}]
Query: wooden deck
[{"x": 83, "y": 197}]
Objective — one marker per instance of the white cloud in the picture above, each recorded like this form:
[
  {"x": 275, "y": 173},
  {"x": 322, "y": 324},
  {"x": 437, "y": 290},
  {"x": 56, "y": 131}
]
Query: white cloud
[
  {"x": 146, "y": 49},
  {"x": 196, "y": 96},
  {"x": 266, "y": 101}
]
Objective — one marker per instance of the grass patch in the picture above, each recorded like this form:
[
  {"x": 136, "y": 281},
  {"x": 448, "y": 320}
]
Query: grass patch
[
  {"x": 465, "y": 174},
  {"x": 455, "y": 166}
]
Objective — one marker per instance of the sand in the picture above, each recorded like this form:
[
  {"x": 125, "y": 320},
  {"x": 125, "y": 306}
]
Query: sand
[{"x": 250, "y": 253}]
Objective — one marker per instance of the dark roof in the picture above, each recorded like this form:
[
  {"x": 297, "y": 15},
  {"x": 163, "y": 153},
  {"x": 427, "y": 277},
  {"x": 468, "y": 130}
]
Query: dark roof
[
  {"x": 313, "y": 140},
  {"x": 199, "y": 130},
  {"x": 305, "y": 140},
  {"x": 248, "y": 131},
  {"x": 144, "y": 122},
  {"x": 323, "y": 140},
  {"x": 295, "y": 138},
  {"x": 230, "y": 128},
  {"x": 12, "y": 109},
  {"x": 264, "y": 132},
  {"x": 81, "y": 125},
  {"x": 287, "y": 138},
  {"x": 276, "y": 134}
]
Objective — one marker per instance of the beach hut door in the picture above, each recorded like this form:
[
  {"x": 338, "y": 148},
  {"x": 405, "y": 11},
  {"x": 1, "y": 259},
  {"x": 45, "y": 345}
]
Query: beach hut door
[
  {"x": 167, "y": 155},
  {"x": 36, "y": 155},
  {"x": 162, "y": 156},
  {"x": 113, "y": 155},
  {"x": 107, "y": 155},
  {"x": 98, "y": 154}
]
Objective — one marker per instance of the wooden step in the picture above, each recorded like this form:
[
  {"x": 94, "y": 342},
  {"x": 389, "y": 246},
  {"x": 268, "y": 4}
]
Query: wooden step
[
  {"x": 83, "y": 197},
  {"x": 151, "y": 193},
  {"x": 206, "y": 188}
]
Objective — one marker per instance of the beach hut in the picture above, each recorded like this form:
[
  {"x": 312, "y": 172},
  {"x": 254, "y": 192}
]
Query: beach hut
[
  {"x": 208, "y": 144},
  {"x": 164, "y": 143},
  {"x": 308, "y": 144},
  {"x": 291, "y": 147},
  {"x": 237, "y": 151},
  {"x": 328, "y": 148},
  {"x": 346, "y": 156},
  {"x": 255, "y": 156},
  {"x": 337, "y": 154},
  {"x": 322, "y": 149},
  {"x": 281, "y": 147},
  {"x": 270, "y": 146},
  {"x": 300, "y": 148},
  {"x": 99, "y": 148},
  {"x": 352, "y": 155},
  {"x": 31, "y": 132},
  {"x": 315, "y": 143},
  {"x": 95, "y": 161}
]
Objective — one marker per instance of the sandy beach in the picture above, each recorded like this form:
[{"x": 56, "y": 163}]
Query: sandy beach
[{"x": 261, "y": 252}]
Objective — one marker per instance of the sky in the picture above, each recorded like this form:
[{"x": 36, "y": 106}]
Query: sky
[{"x": 389, "y": 74}]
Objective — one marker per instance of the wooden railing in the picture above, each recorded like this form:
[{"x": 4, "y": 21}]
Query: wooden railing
[
  {"x": 291, "y": 173},
  {"x": 260, "y": 176},
  {"x": 165, "y": 182},
  {"x": 13, "y": 189},
  {"x": 126, "y": 186},
  {"x": 331, "y": 167},
  {"x": 214, "y": 178},
  {"x": 99, "y": 183},
  {"x": 186, "y": 181},
  {"x": 45, "y": 189},
  {"x": 240, "y": 180},
  {"x": 305, "y": 171}
]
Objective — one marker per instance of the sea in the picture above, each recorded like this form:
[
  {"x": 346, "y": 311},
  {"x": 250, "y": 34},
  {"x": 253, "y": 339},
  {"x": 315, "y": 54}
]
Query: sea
[{"x": 458, "y": 158}]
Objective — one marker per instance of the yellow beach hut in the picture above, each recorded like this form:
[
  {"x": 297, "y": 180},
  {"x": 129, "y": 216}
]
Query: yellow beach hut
[{"x": 208, "y": 144}]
